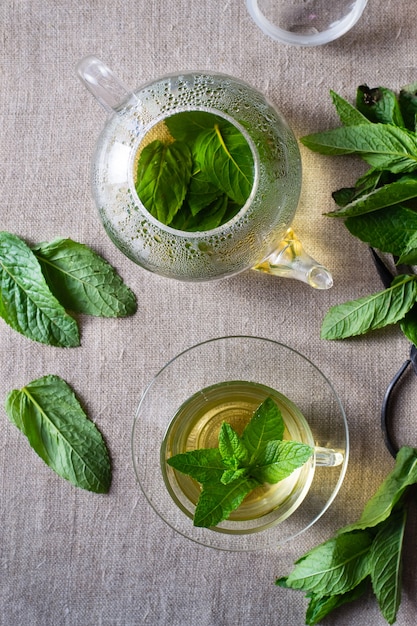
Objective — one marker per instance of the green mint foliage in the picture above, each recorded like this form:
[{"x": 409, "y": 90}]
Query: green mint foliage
[
  {"x": 386, "y": 564},
  {"x": 380, "y": 209},
  {"x": 47, "y": 412},
  {"x": 200, "y": 177},
  {"x": 164, "y": 171},
  {"x": 379, "y": 105},
  {"x": 408, "y": 104},
  {"x": 83, "y": 281},
  {"x": 240, "y": 464},
  {"x": 38, "y": 285},
  {"x": 367, "y": 552},
  {"x": 26, "y": 302},
  {"x": 360, "y": 316}
]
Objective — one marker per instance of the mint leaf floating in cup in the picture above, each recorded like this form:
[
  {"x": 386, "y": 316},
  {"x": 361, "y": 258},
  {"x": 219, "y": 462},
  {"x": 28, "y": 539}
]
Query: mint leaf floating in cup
[
  {"x": 241, "y": 463},
  {"x": 50, "y": 416},
  {"x": 26, "y": 302},
  {"x": 366, "y": 553}
]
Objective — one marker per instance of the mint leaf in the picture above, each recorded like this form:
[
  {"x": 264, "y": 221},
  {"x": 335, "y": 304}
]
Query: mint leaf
[
  {"x": 163, "y": 175},
  {"x": 390, "y": 492},
  {"x": 26, "y": 302},
  {"x": 49, "y": 415},
  {"x": 201, "y": 193},
  {"x": 225, "y": 157},
  {"x": 320, "y": 606},
  {"x": 82, "y": 280},
  {"x": 230, "y": 475},
  {"x": 383, "y": 146},
  {"x": 379, "y": 105},
  {"x": 204, "y": 465},
  {"x": 187, "y": 125},
  {"x": 230, "y": 445},
  {"x": 349, "y": 115},
  {"x": 401, "y": 190},
  {"x": 371, "y": 312},
  {"x": 408, "y": 104},
  {"x": 217, "y": 500},
  {"x": 408, "y": 325},
  {"x": 385, "y": 562},
  {"x": 393, "y": 230},
  {"x": 334, "y": 567},
  {"x": 266, "y": 425},
  {"x": 279, "y": 460}
]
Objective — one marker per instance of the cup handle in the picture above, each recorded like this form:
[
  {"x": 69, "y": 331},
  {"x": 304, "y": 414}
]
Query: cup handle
[
  {"x": 327, "y": 457},
  {"x": 290, "y": 260}
]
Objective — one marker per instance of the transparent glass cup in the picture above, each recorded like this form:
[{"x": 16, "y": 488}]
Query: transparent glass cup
[
  {"x": 305, "y": 22},
  {"x": 182, "y": 409}
]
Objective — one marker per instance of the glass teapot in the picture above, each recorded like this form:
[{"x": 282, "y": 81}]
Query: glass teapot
[{"x": 259, "y": 236}]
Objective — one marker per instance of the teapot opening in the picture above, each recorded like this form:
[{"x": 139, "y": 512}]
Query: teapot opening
[{"x": 195, "y": 171}]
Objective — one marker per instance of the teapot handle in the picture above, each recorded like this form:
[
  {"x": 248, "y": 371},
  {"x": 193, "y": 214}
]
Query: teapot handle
[
  {"x": 103, "y": 84},
  {"x": 290, "y": 260}
]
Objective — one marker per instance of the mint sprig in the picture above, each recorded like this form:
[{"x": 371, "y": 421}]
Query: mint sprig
[
  {"x": 241, "y": 463},
  {"x": 366, "y": 553},
  {"x": 381, "y": 207}
]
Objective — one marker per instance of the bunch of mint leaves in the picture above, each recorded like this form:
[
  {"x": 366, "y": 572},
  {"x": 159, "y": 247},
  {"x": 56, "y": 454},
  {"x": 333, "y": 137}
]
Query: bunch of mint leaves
[
  {"x": 198, "y": 178},
  {"x": 39, "y": 284},
  {"x": 368, "y": 552},
  {"x": 48, "y": 413},
  {"x": 381, "y": 209},
  {"x": 241, "y": 463}
]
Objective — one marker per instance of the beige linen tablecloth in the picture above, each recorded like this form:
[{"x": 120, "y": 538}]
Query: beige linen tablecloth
[{"x": 73, "y": 558}]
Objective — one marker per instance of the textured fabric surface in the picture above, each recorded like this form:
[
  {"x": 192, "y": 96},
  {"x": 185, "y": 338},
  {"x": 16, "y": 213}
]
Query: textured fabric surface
[{"x": 72, "y": 558}]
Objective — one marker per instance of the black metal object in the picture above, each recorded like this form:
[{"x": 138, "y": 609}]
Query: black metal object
[{"x": 386, "y": 418}]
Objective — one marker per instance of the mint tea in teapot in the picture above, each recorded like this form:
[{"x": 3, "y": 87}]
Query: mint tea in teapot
[
  {"x": 197, "y": 176},
  {"x": 194, "y": 171}
]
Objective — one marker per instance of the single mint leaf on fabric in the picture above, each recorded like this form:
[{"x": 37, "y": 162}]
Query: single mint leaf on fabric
[
  {"x": 26, "y": 302},
  {"x": 279, "y": 460},
  {"x": 380, "y": 506},
  {"x": 224, "y": 155},
  {"x": 385, "y": 561},
  {"x": 349, "y": 115},
  {"x": 82, "y": 280},
  {"x": 401, "y": 190},
  {"x": 265, "y": 425},
  {"x": 217, "y": 501},
  {"x": 379, "y": 105},
  {"x": 230, "y": 444},
  {"x": 334, "y": 567},
  {"x": 371, "y": 312},
  {"x": 392, "y": 230},
  {"x": 204, "y": 465},
  {"x": 187, "y": 125},
  {"x": 320, "y": 606},
  {"x": 50, "y": 416},
  {"x": 230, "y": 475},
  {"x": 383, "y": 146},
  {"x": 163, "y": 175},
  {"x": 408, "y": 105}
]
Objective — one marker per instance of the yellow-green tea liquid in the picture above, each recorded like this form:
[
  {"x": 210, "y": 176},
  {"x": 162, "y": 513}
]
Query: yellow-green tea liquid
[{"x": 197, "y": 423}]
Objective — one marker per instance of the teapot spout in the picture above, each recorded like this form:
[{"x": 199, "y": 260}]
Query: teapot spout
[{"x": 290, "y": 260}]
